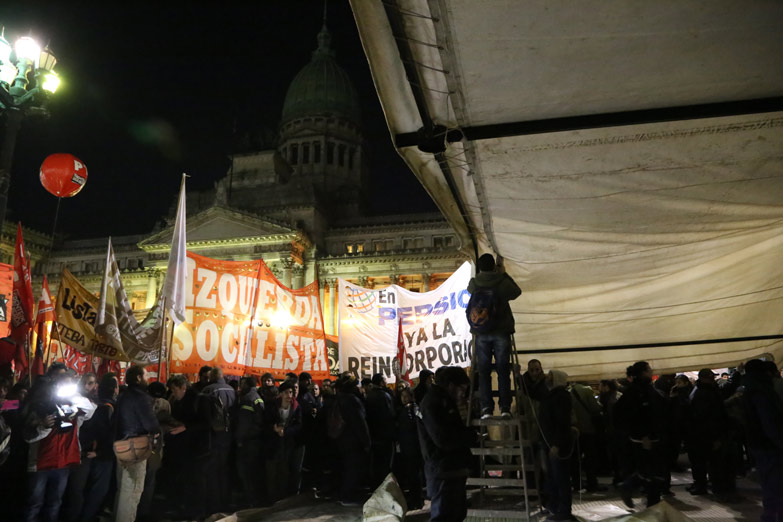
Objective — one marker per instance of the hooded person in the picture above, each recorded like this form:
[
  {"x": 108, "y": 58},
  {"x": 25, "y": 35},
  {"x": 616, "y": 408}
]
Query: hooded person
[
  {"x": 558, "y": 437},
  {"x": 491, "y": 290}
]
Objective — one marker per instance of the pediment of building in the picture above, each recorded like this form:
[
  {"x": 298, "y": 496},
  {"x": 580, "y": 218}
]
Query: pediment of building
[{"x": 220, "y": 224}]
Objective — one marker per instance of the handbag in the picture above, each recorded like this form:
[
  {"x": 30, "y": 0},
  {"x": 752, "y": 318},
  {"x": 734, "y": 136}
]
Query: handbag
[{"x": 133, "y": 449}]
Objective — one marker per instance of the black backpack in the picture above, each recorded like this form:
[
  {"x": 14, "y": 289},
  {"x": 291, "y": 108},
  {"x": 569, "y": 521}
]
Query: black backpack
[
  {"x": 216, "y": 412},
  {"x": 482, "y": 310}
]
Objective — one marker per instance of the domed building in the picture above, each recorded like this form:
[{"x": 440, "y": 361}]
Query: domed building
[{"x": 297, "y": 205}]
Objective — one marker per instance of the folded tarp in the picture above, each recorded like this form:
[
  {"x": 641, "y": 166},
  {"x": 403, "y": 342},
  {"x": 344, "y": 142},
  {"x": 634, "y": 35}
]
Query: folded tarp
[{"x": 635, "y": 236}]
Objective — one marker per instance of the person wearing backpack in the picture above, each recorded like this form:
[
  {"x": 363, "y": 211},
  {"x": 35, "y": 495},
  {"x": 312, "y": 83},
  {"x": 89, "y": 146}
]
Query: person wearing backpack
[
  {"x": 492, "y": 324},
  {"x": 217, "y": 400}
]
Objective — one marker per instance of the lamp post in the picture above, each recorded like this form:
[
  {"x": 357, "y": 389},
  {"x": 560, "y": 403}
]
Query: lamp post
[{"x": 26, "y": 77}]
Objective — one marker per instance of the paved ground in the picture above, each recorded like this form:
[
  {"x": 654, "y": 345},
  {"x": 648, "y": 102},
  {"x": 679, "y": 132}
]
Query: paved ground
[{"x": 587, "y": 507}]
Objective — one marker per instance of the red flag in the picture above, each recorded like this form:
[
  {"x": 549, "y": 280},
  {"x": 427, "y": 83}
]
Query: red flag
[
  {"x": 41, "y": 340},
  {"x": 23, "y": 303},
  {"x": 402, "y": 356}
]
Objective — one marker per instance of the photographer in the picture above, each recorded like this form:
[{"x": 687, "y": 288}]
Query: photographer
[{"x": 52, "y": 419}]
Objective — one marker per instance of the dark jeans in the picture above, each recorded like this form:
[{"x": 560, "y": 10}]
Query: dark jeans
[
  {"x": 252, "y": 473},
  {"x": 500, "y": 346},
  {"x": 46, "y": 489},
  {"x": 589, "y": 461},
  {"x": 769, "y": 464},
  {"x": 448, "y": 500},
  {"x": 74, "y": 493},
  {"x": 382, "y": 455},
  {"x": 705, "y": 459},
  {"x": 353, "y": 466},
  {"x": 558, "y": 485},
  {"x": 98, "y": 483},
  {"x": 649, "y": 467}
]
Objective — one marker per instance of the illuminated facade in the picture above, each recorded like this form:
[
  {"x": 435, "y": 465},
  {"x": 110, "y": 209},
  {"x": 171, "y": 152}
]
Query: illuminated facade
[{"x": 298, "y": 206}]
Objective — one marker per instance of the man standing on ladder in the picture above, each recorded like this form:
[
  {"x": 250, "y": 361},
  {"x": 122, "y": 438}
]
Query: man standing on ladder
[{"x": 492, "y": 324}]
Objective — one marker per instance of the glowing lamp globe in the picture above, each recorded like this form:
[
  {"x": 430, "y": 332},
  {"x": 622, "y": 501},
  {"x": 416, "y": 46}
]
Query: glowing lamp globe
[{"x": 63, "y": 175}]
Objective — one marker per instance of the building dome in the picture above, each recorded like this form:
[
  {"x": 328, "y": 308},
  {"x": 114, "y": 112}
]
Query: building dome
[{"x": 321, "y": 88}]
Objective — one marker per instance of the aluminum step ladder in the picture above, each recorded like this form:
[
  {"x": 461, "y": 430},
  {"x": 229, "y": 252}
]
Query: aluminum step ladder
[{"x": 505, "y": 464}]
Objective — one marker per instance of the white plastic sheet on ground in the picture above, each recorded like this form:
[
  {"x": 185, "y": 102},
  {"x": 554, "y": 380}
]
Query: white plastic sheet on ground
[{"x": 641, "y": 234}]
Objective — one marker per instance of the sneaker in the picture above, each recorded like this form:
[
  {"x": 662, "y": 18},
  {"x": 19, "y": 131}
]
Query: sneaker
[
  {"x": 626, "y": 495},
  {"x": 486, "y": 413},
  {"x": 506, "y": 414}
]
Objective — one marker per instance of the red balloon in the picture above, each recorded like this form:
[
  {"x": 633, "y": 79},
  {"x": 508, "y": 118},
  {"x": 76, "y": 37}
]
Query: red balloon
[{"x": 63, "y": 175}]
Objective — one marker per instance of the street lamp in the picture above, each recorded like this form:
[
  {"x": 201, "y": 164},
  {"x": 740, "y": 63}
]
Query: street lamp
[{"x": 26, "y": 77}]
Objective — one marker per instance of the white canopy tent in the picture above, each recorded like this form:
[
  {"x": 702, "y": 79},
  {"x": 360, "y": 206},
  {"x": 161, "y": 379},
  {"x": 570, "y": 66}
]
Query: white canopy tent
[{"x": 624, "y": 158}]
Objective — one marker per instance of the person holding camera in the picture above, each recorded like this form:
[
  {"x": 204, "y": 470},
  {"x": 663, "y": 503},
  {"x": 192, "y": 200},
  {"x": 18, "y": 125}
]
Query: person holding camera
[
  {"x": 137, "y": 431},
  {"x": 52, "y": 419}
]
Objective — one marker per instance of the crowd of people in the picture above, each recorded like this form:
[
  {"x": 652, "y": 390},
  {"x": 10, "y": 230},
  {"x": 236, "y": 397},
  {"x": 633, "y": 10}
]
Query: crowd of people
[
  {"x": 218, "y": 445},
  {"x": 637, "y": 429},
  {"x": 193, "y": 449}
]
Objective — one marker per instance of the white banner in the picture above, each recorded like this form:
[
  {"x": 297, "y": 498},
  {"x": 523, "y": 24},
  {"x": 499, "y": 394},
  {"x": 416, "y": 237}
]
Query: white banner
[{"x": 433, "y": 323}]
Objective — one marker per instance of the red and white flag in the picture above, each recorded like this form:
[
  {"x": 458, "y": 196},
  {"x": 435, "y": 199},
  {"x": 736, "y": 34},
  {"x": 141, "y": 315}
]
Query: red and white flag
[
  {"x": 44, "y": 318},
  {"x": 22, "y": 318},
  {"x": 75, "y": 359},
  {"x": 402, "y": 356}
]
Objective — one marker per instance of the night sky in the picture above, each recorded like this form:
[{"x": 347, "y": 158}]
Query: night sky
[{"x": 150, "y": 91}]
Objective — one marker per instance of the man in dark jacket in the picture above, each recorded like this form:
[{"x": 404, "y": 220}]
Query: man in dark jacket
[
  {"x": 426, "y": 377},
  {"x": 763, "y": 411},
  {"x": 353, "y": 440},
  {"x": 556, "y": 428},
  {"x": 497, "y": 340},
  {"x": 248, "y": 434},
  {"x": 188, "y": 453},
  {"x": 220, "y": 447},
  {"x": 641, "y": 417},
  {"x": 98, "y": 435},
  {"x": 380, "y": 420},
  {"x": 135, "y": 417},
  {"x": 706, "y": 439},
  {"x": 445, "y": 444}
]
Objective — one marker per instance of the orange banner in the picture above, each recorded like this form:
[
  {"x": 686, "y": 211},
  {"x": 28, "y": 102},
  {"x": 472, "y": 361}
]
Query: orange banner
[
  {"x": 239, "y": 317},
  {"x": 6, "y": 296}
]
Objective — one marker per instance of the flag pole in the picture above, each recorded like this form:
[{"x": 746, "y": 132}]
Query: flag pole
[
  {"x": 59, "y": 344},
  {"x": 169, "y": 346},
  {"x": 162, "y": 338},
  {"x": 49, "y": 347}
]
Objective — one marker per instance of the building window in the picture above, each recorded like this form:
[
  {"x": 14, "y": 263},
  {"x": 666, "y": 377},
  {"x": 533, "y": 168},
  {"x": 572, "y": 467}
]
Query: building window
[
  {"x": 306, "y": 153},
  {"x": 354, "y": 248},
  {"x": 341, "y": 155},
  {"x": 330, "y": 153},
  {"x": 442, "y": 241},
  {"x": 412, "y": 242},
  {"x": 351, "y": 154},
  {"x": 317, "y": 152},
  {"x": 383, "y": 244},
  {"x": 294, "y": 158}
]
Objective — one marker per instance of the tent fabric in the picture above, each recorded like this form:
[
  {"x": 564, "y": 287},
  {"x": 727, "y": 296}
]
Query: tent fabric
[{"x": 654, "y": 233}]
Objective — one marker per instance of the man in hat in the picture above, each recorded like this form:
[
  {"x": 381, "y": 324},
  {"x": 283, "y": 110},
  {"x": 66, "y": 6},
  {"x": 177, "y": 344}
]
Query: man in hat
[{"x": 706, "y": 442}]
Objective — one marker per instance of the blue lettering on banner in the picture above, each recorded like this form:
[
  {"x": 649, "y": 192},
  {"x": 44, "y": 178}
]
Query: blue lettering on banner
[{"x": 413, "y": 315}]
